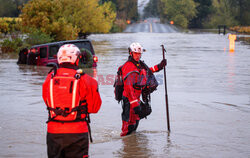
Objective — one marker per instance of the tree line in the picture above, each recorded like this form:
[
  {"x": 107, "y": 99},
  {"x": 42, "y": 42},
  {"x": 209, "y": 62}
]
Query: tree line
[
  {"x": 54, "y": 20},
  {"x": 69, "y": 19},
  {"x": 31, "y": 22},
  {"x": 83, "y": 17},
  {"x": 200, "y": 13},
  {"x": 11, "y": 8}
]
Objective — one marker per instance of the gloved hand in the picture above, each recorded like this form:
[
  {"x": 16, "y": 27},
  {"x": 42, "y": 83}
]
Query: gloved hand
[
  {"x": 137, "y": 110},
  {"x": 145, "y": 110},
  {"x": 162, "y": 64}
]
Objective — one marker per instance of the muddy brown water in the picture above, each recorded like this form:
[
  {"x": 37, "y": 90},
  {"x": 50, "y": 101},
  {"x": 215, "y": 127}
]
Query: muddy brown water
[{"x": 208, "y": 91}]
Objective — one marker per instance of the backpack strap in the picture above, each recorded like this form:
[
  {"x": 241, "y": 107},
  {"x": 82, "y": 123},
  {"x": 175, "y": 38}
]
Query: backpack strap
[
  {"x": 79, "y": 73},
  {"x": 73, "y": 88},
  {"x": 54, "y": 69},
  {"x": 65, "y": 113},
  {"x": 129, "y": 74}
]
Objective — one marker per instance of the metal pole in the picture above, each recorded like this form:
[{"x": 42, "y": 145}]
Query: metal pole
[{"x": 166, "y": 93}]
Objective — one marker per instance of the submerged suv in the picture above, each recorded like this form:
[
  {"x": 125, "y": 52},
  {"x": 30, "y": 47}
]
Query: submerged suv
[{"x": 47, "y": 53}]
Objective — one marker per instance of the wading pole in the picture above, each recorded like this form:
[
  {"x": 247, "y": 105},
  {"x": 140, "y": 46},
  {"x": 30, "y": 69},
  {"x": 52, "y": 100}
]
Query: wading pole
[{"x": 166, "y": 93}]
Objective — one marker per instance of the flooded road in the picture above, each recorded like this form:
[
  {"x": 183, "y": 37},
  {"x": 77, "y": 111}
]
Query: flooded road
[
  {"x": 151, "y": 25},
  {"x": 208, "y": 91}
]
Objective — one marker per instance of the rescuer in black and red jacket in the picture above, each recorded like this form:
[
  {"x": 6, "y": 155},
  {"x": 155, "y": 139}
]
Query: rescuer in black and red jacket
[
  {"x": 32, "y": 57},
  {"x": 137, "y": 77},
  {"x": 70, "y": 96}
]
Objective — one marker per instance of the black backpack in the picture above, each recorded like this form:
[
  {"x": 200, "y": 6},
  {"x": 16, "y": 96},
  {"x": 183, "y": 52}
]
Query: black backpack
[{"x": 119, "y": 85}]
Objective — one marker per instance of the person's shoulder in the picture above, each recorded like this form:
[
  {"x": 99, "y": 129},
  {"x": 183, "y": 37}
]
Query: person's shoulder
[
  {"x": 88, "y": 79},
  {"x": 128, "y": 65},
  {"x": 48, "y": 77},
  {"x": 86, "y": 76}
]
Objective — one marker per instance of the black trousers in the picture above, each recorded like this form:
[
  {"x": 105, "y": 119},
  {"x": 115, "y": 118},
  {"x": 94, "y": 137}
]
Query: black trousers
[{"x": 73, "y": 145}]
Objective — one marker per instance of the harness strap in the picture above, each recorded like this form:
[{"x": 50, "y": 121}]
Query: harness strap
[
  {"x": 130, "y": 73},
  {"x": 65, "y": 113},
  {"x": 88, "y": 122}
]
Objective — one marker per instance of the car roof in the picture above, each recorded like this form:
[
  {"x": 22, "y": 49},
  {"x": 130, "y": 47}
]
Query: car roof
[{"x": 61, "y": 42}]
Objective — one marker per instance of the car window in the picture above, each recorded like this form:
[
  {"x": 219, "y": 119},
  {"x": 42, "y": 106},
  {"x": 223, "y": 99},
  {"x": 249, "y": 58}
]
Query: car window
[
  {"x": 86, "y": 45},
  {"x": 53, "y": 51},
  {"x": 43, "y": 52}
]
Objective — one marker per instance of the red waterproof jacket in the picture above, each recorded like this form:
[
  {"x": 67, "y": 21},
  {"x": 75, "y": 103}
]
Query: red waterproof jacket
[
  {"x": 87, "y": 91},
  {"x": 132, "y": 75}
]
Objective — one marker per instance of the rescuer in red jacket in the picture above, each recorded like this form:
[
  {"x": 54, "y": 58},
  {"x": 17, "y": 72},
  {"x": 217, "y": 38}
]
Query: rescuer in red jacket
[
  {"x": 70, "y": 95},
  {"x": 136, "y": 78}
]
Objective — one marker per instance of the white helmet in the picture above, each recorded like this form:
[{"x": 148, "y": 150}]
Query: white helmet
[
  {"x": 135, "y": 47},
  {"x": 68, "y": 53}
]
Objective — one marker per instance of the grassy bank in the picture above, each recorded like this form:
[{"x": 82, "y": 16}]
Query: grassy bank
[{"x": 241, "y": 29}]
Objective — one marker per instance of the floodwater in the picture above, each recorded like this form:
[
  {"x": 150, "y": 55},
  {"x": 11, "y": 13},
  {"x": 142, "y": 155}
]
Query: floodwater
[{"x": 208, "y": 91}]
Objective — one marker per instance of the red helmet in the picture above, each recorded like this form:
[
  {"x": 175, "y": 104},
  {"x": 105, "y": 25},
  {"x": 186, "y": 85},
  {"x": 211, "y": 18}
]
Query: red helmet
[{"x": 68, "y": 53}]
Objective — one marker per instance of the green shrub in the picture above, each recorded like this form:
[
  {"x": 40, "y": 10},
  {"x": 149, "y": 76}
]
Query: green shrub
[
  {"x": 38, "y": 37},
  {"x": 118, "y": 26},
  {"x": 180, "y": 20},
  {"x": 14, "y": 44},
  {"x": 10, "y": 25},
  {"x": 11, "y": 45},
  {"x": 241, "y": 29},
  {"x": 4, "y": 27}
]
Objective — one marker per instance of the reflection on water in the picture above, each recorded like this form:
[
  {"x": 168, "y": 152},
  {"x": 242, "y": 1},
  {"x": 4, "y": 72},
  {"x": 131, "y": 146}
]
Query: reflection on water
[
  {"x": 31, "y": 69},
  {"x": 231, "y": 70},
  {"x": 135, "y": 145},
  {"x": 168, "y": 147},
  {"x": 143, "y": 144}
]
